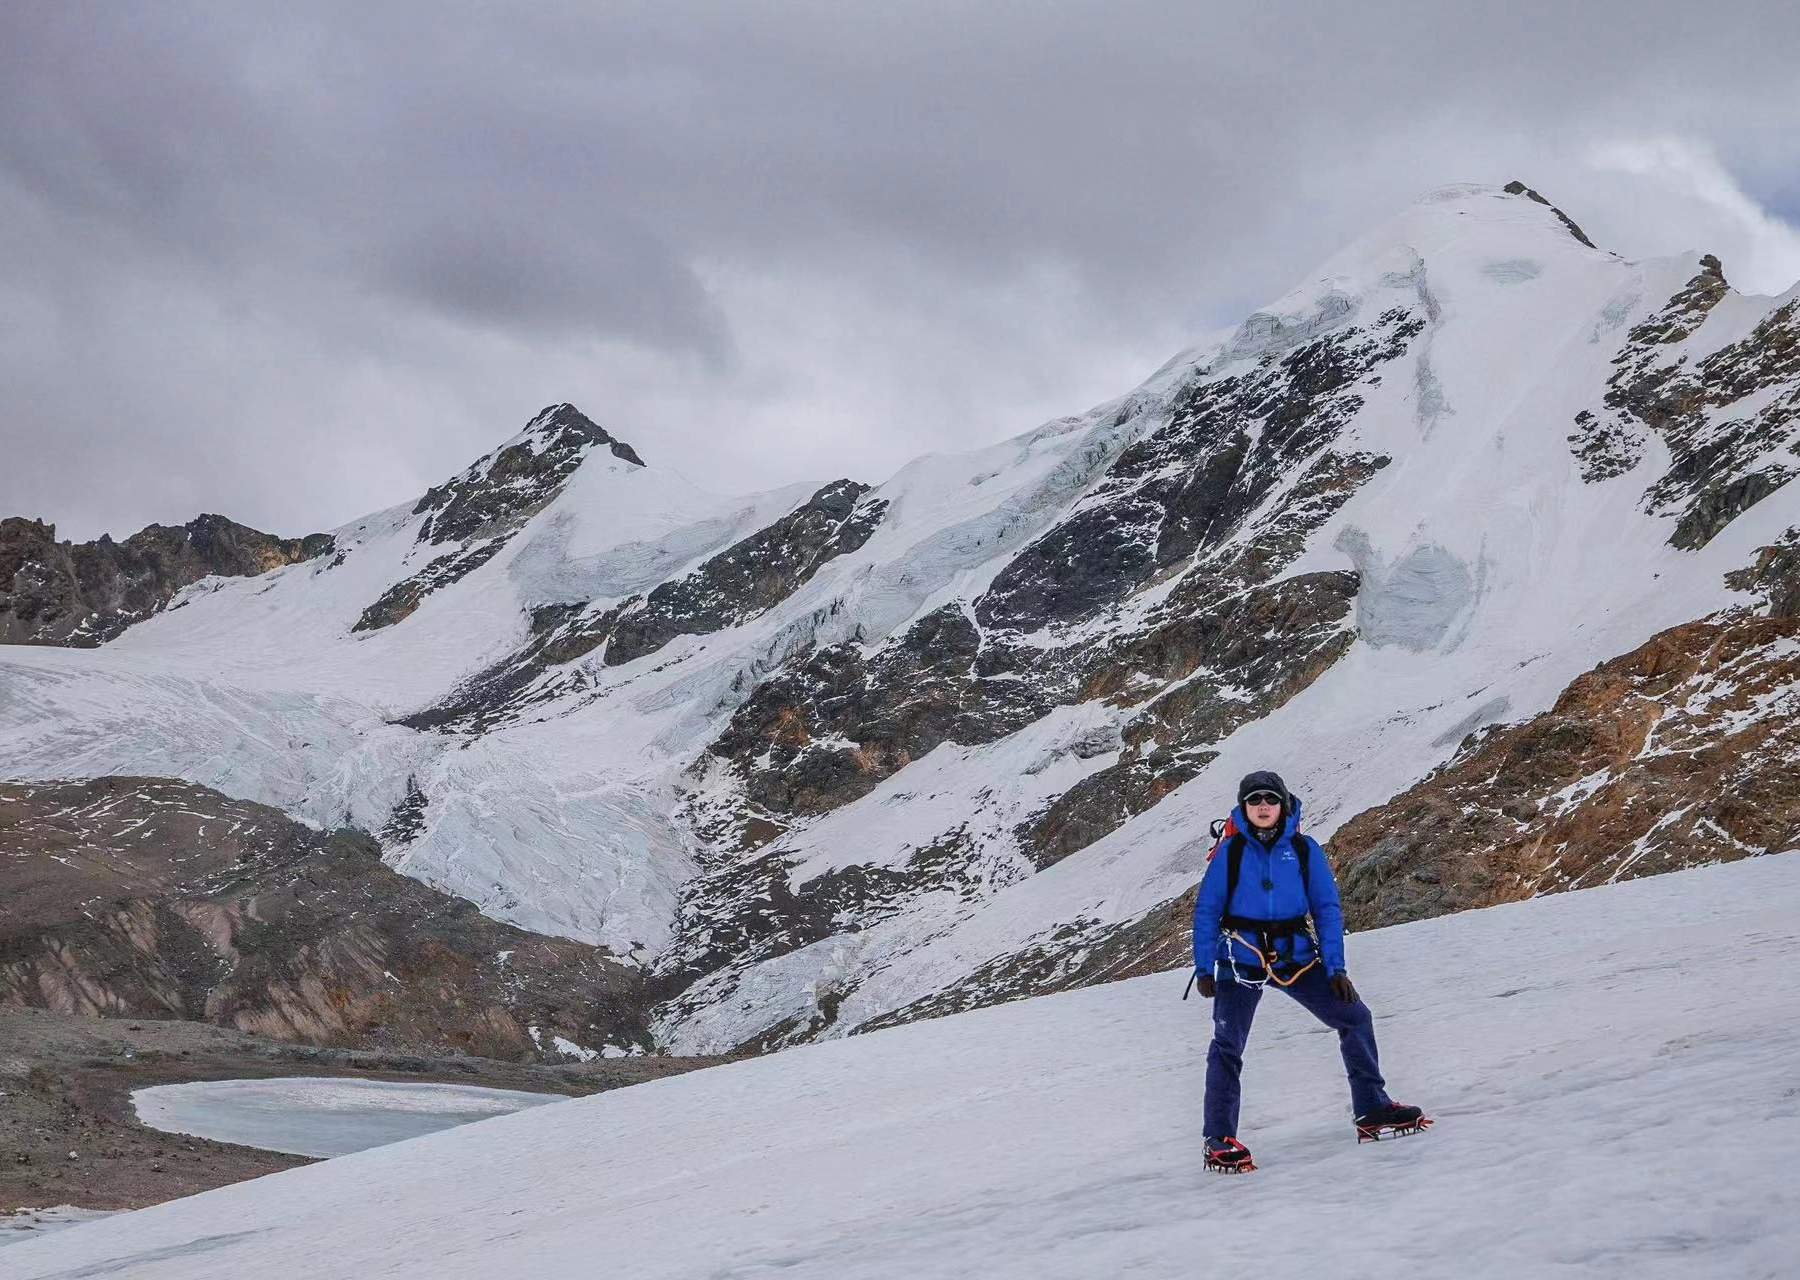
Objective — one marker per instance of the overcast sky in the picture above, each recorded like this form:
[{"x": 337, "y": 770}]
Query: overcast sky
[{"x": 296, "y": 263}]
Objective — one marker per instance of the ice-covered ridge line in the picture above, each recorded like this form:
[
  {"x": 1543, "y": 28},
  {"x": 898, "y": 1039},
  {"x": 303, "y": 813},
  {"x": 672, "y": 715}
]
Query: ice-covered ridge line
[{"x": 1059, "y": 1137}]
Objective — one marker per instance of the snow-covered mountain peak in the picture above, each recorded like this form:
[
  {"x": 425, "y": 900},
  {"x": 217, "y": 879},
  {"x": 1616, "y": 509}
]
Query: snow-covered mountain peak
[
  {"x": 559, "y": 427},
  {"x": 563, "y": 427},
  {"x": 518, "y": 478},
  {"x": 1515, "y": 202},
  {"x": 1456, "y": 239}
]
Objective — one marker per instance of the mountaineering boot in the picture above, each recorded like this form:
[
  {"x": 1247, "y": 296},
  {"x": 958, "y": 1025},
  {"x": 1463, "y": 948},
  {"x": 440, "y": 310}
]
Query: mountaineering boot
[
  {"x": 1395, "y": 1120},
  {"x": 1228, "y": 1155}
]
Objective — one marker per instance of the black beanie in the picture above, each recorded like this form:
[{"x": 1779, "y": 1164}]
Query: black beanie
[{"x": 1265, "y": 780}]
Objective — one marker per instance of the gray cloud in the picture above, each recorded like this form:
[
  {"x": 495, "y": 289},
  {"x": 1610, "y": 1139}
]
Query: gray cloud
[{"x": 297, "y": 265}]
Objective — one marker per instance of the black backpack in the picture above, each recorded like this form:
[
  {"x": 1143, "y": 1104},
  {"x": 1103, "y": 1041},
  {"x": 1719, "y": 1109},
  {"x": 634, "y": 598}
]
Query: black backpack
[{"x": 1234, "y": 860}]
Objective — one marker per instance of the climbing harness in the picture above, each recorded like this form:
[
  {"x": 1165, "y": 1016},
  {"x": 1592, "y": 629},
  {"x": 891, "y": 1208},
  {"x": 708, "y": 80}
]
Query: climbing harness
[
  {"x": 1267, "y": 933},
  {"x": 1271, "y": 959}
]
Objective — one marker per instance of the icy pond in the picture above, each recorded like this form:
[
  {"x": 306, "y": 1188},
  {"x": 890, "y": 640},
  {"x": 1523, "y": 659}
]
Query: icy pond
[{"x": 321, "y": 1115}]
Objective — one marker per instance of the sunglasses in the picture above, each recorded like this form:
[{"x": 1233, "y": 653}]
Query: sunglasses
[{"x": 1263, "y": 797}]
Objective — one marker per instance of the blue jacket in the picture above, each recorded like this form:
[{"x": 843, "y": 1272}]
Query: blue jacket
[{"x": 1276, "y": 866}]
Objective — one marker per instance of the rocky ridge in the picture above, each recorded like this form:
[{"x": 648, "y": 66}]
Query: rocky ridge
[
  {"x": 83, "y": 594},
  {"x": 1725, "y": 415},
  {"x": 477, "y": 512},
  {"x": 740, "y": 583}
]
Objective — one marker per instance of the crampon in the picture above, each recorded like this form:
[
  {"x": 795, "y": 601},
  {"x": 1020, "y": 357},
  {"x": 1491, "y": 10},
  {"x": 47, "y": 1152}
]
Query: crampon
[
  {"x": 1228, "y": 1155},
  {"x": 1395, "y": 1120}
]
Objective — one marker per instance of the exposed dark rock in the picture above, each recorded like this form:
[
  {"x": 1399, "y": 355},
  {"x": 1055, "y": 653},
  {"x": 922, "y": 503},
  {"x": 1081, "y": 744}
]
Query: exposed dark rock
[
  {"x": 1604, "y": 447},
  {"x": 751, "y": 910},
  {"x": 538, "y": 672},
  {"x": 1719, "y": 454},
  {"x": 1103, "y": 802},
  {"x": 1717, "y": 466},
  {"x": 822, "y": 733},
  {"x": 83, "y": 594},
  {"x": 142, "y": 897},
  {"x": 745, "y": 911},
  {"x": 401, "y": 600},
  {"x": 1186, "y": 488},
  {"x": 1257, "y": 647},
  {"x": 1718, "y": 505},
  {"x": 504, "y": 489},
  {"x": 482, "y": 509},
  {"x": 751, "y": 576},
  {"x": 748, "y": 578},
  {"x": 1096, "y": 557},
  {"x": 1775, "y": 575},
  {"x": 1645, "y": 388},
  {"x": 1330, "y": 481},
  {"x": 407, "y": 822},
  {"x": 1219, "y": 669},
  {"x": 1516, "y": 188},
  {"x": 1684, "y": 312}
]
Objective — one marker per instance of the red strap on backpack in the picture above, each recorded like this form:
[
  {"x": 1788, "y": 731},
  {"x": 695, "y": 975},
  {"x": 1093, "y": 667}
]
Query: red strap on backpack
[{"x": 1222, "y": 831}]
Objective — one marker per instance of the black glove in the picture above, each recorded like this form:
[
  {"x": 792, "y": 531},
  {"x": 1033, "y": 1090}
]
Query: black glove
[
  {"x": 1205, "y": 985},
  {"x": 1341, "y": 988}
]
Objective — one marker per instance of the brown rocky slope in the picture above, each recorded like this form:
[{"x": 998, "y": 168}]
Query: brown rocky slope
[
  {"x": 152, "y": 898},
  {"x": 1681, "y": 753}
]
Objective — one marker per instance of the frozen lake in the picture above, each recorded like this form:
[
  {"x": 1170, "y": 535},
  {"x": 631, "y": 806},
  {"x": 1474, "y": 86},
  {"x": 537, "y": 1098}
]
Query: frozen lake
[{"x": 322, "y": 1115}]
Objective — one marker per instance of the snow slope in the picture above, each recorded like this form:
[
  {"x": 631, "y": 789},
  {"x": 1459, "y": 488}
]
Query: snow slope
[{"x": 1612, "y": 1071}]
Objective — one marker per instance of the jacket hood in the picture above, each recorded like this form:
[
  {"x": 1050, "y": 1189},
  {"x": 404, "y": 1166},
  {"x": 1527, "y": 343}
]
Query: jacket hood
[{"x": 1290, "y": 817}]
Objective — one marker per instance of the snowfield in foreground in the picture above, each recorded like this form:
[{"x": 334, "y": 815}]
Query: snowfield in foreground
[{"x": 1612, "y": 1072}]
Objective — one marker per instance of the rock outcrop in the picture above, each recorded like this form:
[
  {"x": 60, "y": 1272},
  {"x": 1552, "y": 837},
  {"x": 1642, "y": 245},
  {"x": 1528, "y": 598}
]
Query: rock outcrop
[
  {"x": 478, "y": 511},
  {"x": 751, "y": 576},
  {"x": 151, "y": 898},
  {"x": 745, "y": 580},
  {"x": 1723, "y": 416},
  {"x": 1680, "y": 753},
  {"x": 83, "y": 594}
]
